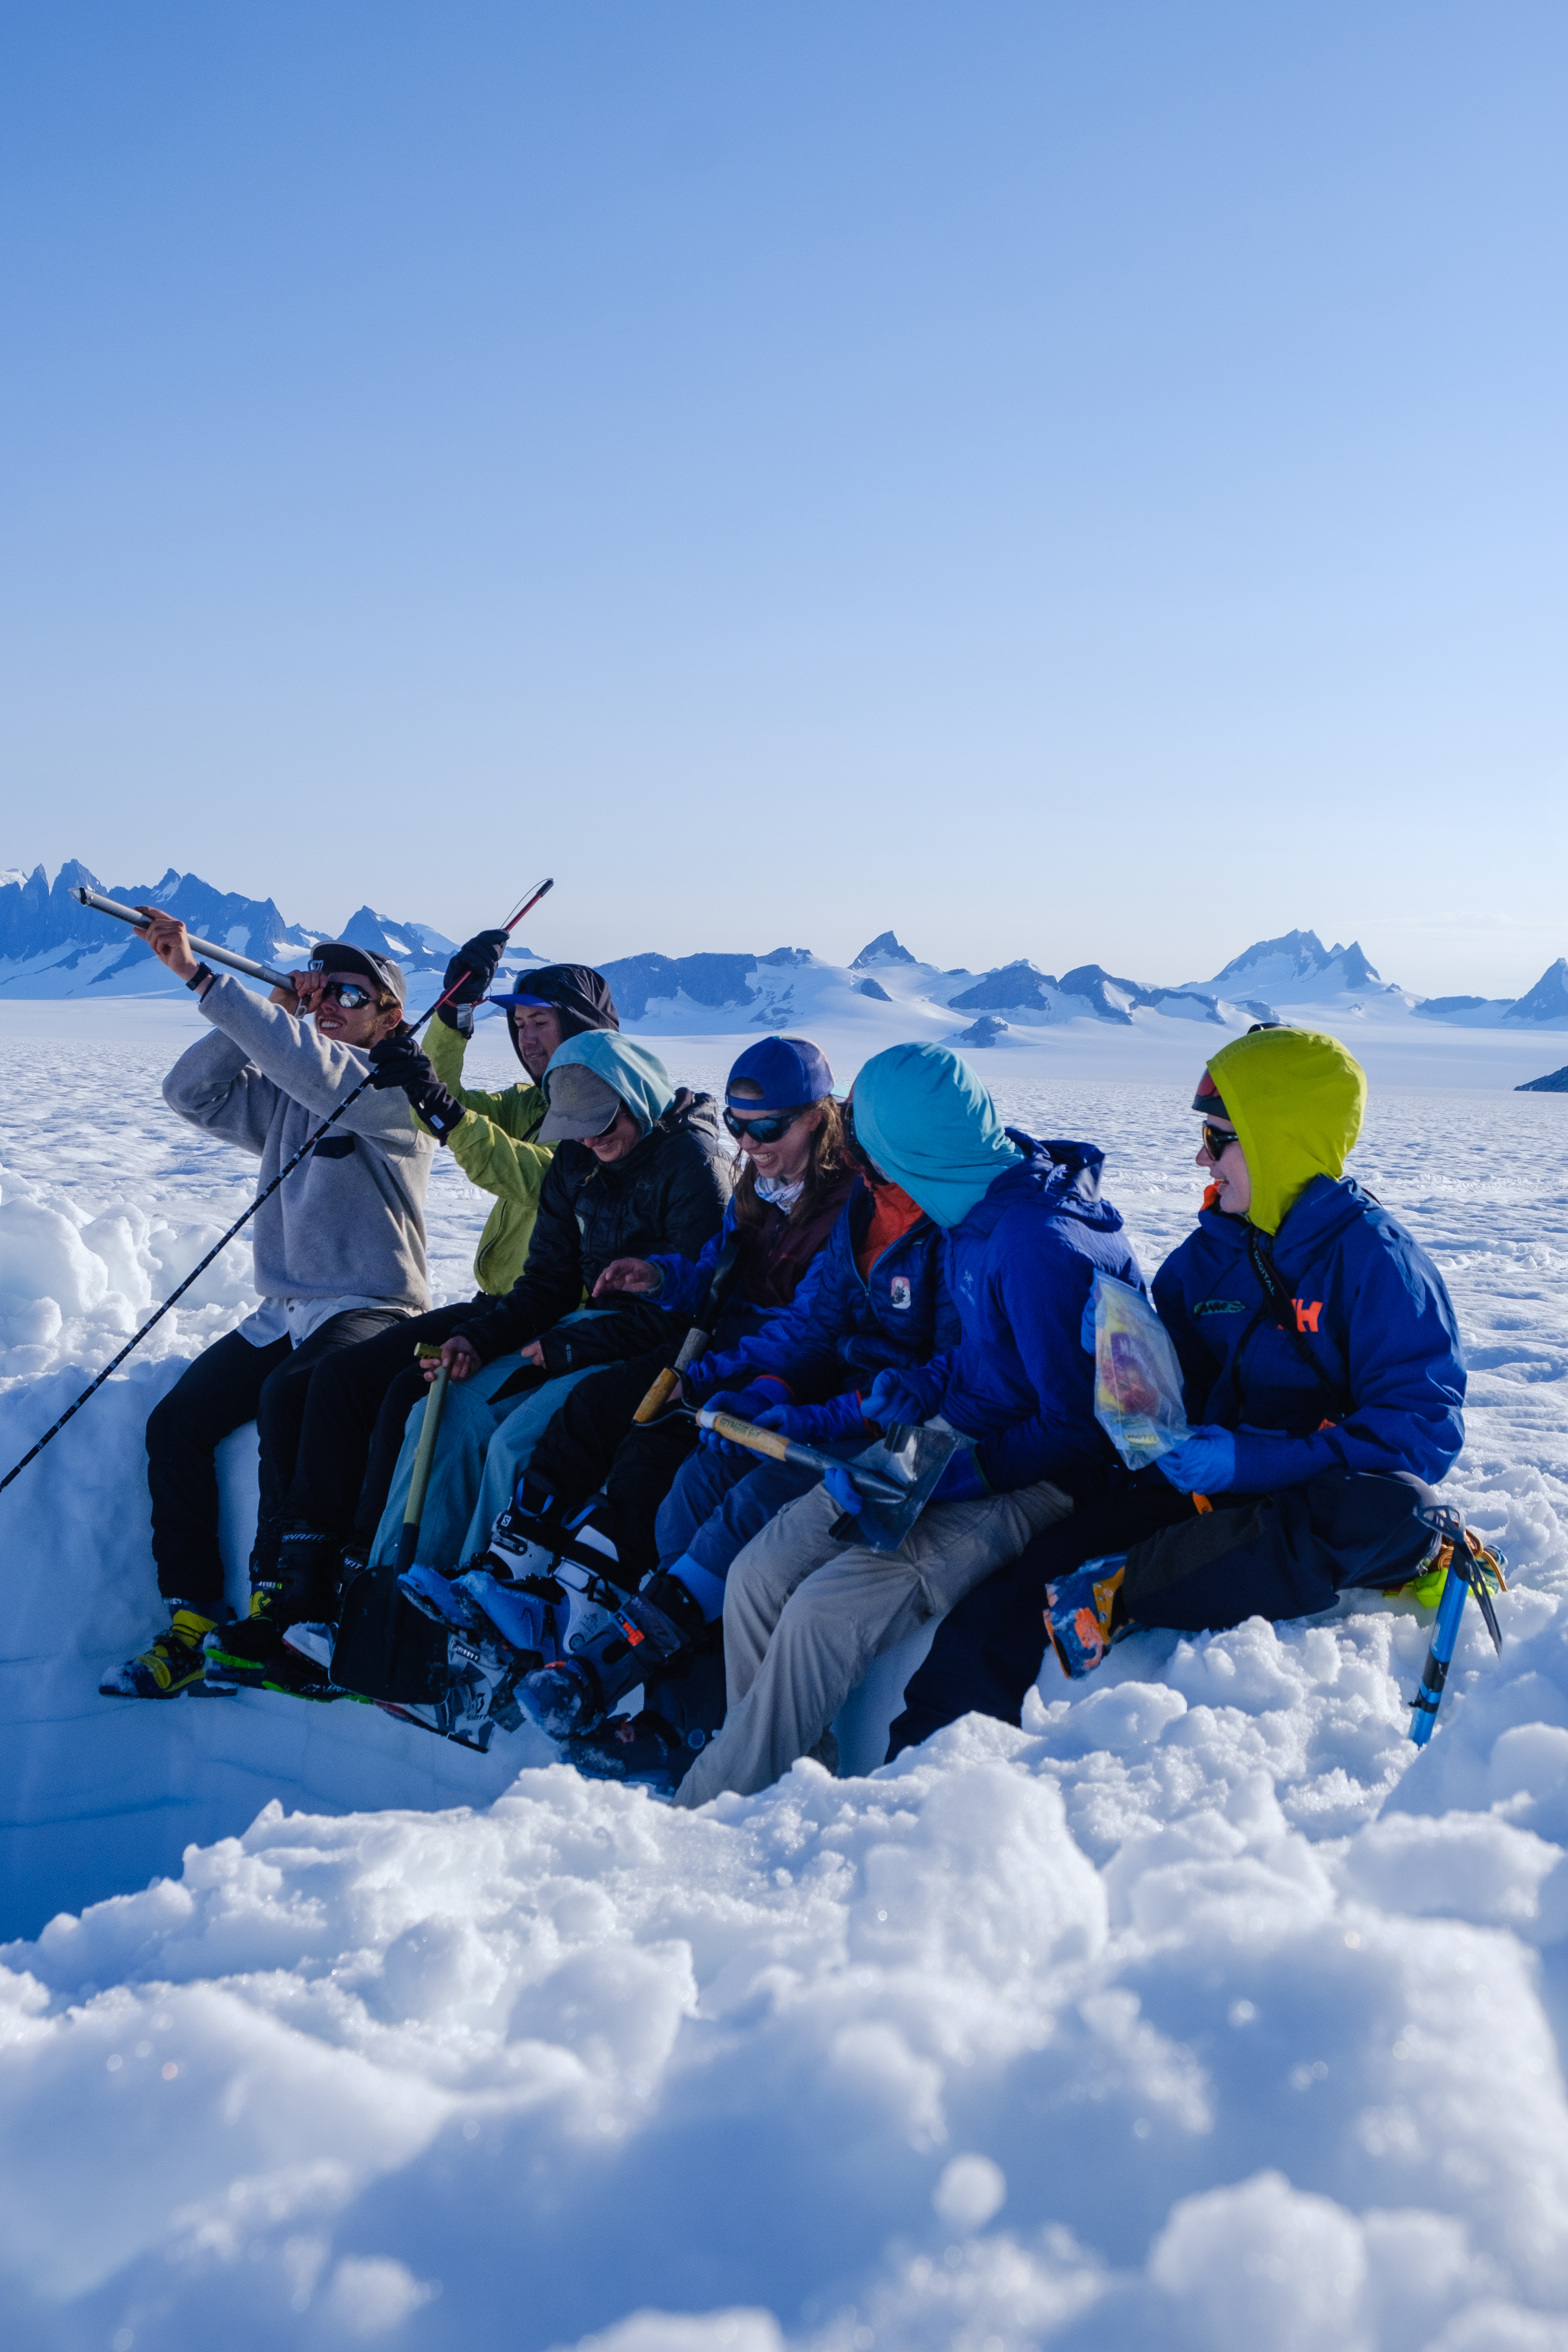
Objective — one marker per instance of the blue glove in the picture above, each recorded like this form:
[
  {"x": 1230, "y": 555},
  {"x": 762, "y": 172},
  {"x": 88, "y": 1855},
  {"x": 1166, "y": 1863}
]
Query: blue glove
[
  {"x": 895, "y": 1396},
  {"x": 815, "y": 1424},
  {"x": 962, "y": 1480},
  {"x": 842, "y": 1488},
  {"x": 741, "y": 1404},
  {"x": 1085, "y": 1326},
  {"x": 1204, "y": 1463}
]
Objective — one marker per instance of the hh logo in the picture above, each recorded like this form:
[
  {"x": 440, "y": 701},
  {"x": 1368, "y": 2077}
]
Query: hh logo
[
  {"x": 899, "y": 1294},
  {"x": 1307, "y": 1313}
]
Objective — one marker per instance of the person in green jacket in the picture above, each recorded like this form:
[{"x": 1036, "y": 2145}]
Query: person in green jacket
[{"x": 353, "y": 1423}]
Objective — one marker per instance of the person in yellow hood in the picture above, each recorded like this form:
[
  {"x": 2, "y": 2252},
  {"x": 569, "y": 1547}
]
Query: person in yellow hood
[{"x": 1323, "y": 1385}]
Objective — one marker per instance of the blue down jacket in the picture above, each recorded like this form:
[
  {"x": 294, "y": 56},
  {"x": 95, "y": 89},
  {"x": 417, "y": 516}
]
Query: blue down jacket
[
  {"x": 1020, "y": 1267},
  {"x": 1371, "y": 1309},
  {"x": 842, "y": 1328}
]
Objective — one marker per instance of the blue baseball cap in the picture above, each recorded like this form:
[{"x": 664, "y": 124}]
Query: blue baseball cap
[{"x": 790, "y": 1071}]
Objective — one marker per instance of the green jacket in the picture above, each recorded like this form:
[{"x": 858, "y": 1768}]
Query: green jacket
[{"x": 494, "y": 1148}]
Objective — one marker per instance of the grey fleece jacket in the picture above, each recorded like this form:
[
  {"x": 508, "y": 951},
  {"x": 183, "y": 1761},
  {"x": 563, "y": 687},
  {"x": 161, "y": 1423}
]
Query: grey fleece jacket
[{"x": 351, "y": 1218}]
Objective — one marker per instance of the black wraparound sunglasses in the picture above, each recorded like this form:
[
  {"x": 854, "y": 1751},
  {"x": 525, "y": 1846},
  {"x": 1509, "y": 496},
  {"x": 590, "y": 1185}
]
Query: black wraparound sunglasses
[
  {"x": 766, "y": 1128},
  {"x": 1217, "y": 1138}
]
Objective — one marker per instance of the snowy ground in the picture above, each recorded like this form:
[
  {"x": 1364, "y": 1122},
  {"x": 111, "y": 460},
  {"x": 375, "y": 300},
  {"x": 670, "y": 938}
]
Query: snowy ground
[{"x": 1199, "y": 2011}]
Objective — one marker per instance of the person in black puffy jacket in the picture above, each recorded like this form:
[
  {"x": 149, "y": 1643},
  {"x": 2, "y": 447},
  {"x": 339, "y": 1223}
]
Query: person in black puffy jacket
[{"x": 640, "y": 1166}]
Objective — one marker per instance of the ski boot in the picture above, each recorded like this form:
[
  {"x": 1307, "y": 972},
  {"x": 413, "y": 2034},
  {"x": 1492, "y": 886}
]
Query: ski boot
[
  {"x": 1085, "y": 1614},
  {"x": 643, "y": 1751},
  {"x": 647, "y": 1633},
  {"x": 251, "y": 1652},
  {"x": 170, "y": 1666},
  {"x": 437, "y": 1593}
]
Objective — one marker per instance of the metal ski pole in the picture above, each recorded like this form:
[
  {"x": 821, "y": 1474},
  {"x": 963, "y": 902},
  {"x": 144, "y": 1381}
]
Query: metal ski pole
[
  {"x": 264, "y": 1194},
  {"x": 424, "y": 1455},
  {"x": 202, "y": 948},
  {"x": 1465, "y": 1576}
]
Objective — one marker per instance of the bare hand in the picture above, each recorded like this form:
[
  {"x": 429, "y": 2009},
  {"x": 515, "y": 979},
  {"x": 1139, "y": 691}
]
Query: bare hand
[
  {"x": 633, "y": 1275},
  {"x": 457, "y": 1357},
  {"x": 295, "y": 993},
  {"x": 170, "y": 942},
  {"x": 533, "y": 1354}
]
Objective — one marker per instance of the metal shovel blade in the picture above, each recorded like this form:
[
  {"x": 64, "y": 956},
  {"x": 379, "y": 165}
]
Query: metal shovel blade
[{"x": 912, "y": 1457}]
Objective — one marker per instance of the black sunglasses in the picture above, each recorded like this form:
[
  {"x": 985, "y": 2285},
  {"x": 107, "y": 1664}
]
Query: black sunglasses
[
  {"x": 1217, "y": 1138},
  {"x": 766, "y": 1128},
  {"x": 348, "y": 993}
]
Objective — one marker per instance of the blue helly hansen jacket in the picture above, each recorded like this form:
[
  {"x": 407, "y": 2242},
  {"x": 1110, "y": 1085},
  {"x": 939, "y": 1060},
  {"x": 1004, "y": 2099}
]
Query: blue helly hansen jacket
[{"x": 1371, "y": 1313}]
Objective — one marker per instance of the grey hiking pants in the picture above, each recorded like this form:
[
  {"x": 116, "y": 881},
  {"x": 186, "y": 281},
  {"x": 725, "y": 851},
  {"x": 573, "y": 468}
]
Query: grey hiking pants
[{"x": 805, "y": 1616}]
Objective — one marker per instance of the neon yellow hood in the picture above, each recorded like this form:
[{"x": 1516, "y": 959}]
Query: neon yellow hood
[{"x": 1296, "y": 1098}]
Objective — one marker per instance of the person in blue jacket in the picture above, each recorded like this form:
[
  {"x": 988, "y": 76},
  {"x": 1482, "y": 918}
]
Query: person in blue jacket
[
  {"x": 1323, "y": 1384},
  {"x": 1025, "y": 1230},
  {"x": 873, "y": 1300}
]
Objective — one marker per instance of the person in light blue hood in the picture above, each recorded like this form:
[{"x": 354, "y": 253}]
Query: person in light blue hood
[
  {"x": 925, "y": 1120},
  {"x": 637, "y": 1079},
  {"x": 1024, "y": 1231},
  {"x": 640, "y": 1166}
]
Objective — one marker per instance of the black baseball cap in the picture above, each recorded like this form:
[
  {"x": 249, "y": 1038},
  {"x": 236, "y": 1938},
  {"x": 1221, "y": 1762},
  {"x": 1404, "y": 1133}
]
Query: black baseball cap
[{"x": 336, "y": 955}]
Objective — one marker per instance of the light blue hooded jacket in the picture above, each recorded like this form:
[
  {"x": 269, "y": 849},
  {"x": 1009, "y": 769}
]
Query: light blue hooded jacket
[{"x": 638, "y": 1077}]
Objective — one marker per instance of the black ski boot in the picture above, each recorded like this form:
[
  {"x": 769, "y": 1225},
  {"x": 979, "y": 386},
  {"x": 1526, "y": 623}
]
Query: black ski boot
[
  {"x": 647, "y": 1634},
  {"x": 168, "y": 1667},
  {"x": 642, "y": 1750},
  {"x": 251, "y": 1650}
]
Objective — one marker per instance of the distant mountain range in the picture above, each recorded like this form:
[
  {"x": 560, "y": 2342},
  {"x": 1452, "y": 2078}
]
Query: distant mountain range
[{"x": 51, "y": 945}]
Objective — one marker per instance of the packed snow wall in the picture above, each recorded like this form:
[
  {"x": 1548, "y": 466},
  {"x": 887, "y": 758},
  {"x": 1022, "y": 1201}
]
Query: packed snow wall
[{"x": 1199, "y": 2010}]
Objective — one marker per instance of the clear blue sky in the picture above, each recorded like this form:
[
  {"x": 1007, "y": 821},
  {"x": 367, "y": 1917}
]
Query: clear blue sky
[{"x": 1075, "y": 481}]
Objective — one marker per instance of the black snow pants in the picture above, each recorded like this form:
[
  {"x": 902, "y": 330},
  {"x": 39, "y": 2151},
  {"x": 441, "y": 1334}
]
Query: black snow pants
[
  {"x": 593, "y": 1442},
  {"x": 359, "y": 1400},
  {"x": 232, "y": 1382},
  {"x": 1282, "y": 1555}
]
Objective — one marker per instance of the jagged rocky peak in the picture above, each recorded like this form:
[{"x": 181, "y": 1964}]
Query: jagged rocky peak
[
  {"x": 883, "y": 949},
  {"x": 1547, "y": 1001},
  {"x": 1294, "y": 960}
]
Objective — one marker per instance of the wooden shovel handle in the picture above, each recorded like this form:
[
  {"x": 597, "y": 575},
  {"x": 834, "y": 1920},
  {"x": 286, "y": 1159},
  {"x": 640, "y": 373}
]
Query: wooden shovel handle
[
  {"x": 658, "y": 1396},
  {"x": 746, "y": 1432}
]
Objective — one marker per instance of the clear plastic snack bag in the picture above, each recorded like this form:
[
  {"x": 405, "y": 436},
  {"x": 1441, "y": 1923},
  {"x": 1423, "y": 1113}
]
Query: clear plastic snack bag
[{"x": 1137, "y": 1379}]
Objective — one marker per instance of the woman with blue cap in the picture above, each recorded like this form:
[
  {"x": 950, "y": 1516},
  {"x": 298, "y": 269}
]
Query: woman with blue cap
[{"x": 1026, "y": 1231}]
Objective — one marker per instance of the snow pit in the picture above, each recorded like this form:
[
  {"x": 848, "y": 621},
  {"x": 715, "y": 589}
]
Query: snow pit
[{"x": 1201, "y": 2010}]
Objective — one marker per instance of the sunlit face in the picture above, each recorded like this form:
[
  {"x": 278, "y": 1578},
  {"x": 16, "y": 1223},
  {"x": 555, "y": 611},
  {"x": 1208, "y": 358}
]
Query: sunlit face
[
  {"x": 1231, "y": 1176},
  {"x": 345, "y": 1025},
  {"x": 786, "y": 1159},
  {"x": 538, "y": 1029}
]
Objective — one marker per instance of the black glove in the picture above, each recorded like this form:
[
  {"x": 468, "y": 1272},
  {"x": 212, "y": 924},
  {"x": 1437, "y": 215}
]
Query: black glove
[
  {"x": 398, "y": 1062},
  {"x": 470, "y": 973}
]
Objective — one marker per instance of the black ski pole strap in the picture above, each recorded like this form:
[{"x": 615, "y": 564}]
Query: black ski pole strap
[{"x": 1283, "y": 1306}]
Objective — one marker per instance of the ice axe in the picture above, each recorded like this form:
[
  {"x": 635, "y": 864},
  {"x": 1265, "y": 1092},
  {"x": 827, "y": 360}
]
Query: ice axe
[
  {"x": 701, "y": 1337},
  {"x": 264, "y": 1194},
  {"x": 1465, "y": 1575},
  {"x": 894, "y": 1477},
  {"x": 424, "y": 1455}
]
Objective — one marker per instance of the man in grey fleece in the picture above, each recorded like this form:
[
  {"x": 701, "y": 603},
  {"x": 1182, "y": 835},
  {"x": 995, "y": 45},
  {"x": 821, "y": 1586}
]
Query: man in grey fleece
[{"x": 340, "y": 1254}]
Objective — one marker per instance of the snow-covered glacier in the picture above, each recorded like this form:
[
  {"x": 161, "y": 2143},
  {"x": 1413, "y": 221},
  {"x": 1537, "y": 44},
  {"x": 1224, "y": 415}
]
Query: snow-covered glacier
[{"x": 1200, "y": 2011}]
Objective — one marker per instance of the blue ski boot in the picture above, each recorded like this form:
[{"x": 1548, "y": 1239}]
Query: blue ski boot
[
  {"x": 1085, "y": 1614},
  {"x": 647, "y": 1634},
  {"x": 642, "y": 1750}
]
